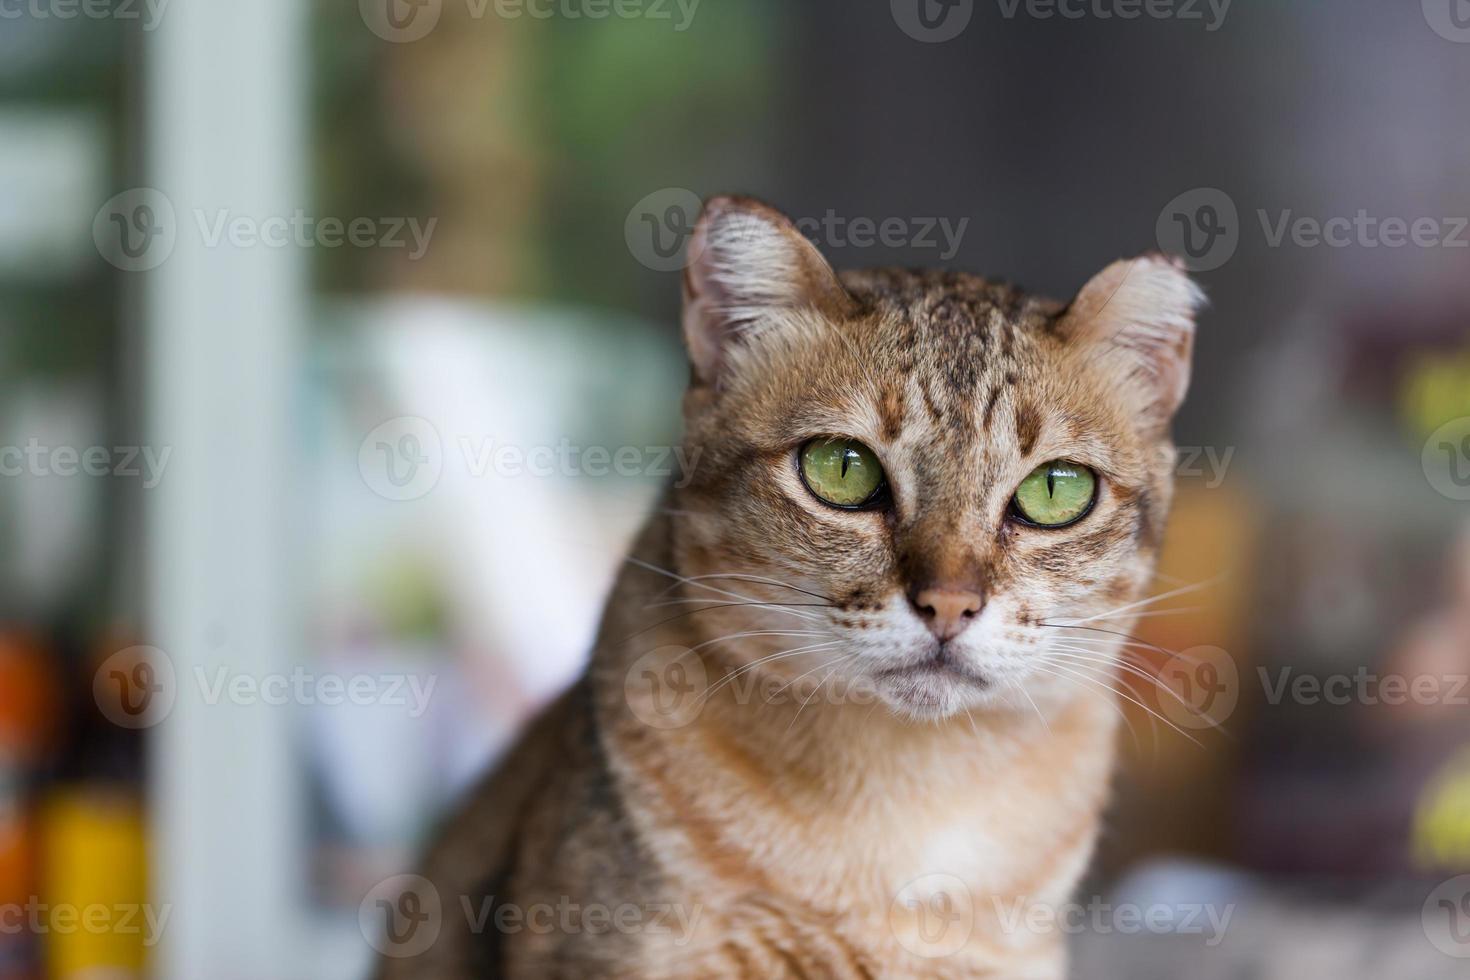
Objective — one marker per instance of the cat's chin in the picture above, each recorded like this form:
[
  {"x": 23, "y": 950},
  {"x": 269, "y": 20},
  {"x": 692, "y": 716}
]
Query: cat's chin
[{"x": 931, "y": 691}]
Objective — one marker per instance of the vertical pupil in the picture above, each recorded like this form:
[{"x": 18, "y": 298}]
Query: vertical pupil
[
  {"x": 847, "y": 455},
  {"x": 1051, "y": 483}
]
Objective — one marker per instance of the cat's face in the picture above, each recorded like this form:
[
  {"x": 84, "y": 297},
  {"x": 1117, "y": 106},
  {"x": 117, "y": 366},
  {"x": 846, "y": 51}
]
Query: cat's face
[{"x": 864, "y": 439}]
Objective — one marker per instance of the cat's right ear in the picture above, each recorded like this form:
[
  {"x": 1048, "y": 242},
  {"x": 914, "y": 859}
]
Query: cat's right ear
[{"x": 747, "y": 265}]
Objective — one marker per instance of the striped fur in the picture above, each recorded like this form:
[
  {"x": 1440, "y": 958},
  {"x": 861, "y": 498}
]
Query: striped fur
[{"x": 806, "y": 839}]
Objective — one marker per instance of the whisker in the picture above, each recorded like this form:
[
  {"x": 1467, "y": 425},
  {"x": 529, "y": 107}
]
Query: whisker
[
  {"x": 745, "y": 633},
  {"x": 700, "y": 585},
  {"x": 777, "y": 606},
  {"x": 836, "y": 663},
  {"x": 1109, "y": 694},
  {"x": 1197, "y": 586},
  {"x": 1151, "y": 712},
  {"x": 1091, "y": 656},
  {"x": 1107, "y": 698},
  {"x": 728, "y": 678},
  {"x": 1034, "y": 707},
  {"x": 1149, "y": 614},
  {"x": 1138, "y": 641},
  {"x": 800, "y": 676},
  {"x": 758, "y": 579},
  {"x": 1129, "y": 647}
]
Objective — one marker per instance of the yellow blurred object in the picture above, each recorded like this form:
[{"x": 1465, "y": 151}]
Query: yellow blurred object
[
  {"x": 1441, "y": 835},
  {"x": 1436, "y": 389},
  {"x": 94, "y": 876}
]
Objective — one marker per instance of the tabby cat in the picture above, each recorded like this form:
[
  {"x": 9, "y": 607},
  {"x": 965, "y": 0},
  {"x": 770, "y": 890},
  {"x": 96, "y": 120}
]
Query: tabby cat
[{"x": 830, "y": 728}]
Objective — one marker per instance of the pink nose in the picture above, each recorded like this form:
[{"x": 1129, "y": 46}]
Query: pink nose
[{"x": 947, "y": 611}]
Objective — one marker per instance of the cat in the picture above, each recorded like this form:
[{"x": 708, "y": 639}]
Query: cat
[{"x": 830, "y": 727}]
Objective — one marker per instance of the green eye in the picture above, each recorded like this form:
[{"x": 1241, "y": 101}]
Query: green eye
[
  {"x": 1056, "y": 494},
  {"x": 842, "y": 472}
]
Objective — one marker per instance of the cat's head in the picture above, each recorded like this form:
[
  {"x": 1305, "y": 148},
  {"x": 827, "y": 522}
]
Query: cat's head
[{"x": 944, "y": 467}]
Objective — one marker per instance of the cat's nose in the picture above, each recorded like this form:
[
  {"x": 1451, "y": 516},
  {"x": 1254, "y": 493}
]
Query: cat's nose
[{"x": 947, "y": 611}]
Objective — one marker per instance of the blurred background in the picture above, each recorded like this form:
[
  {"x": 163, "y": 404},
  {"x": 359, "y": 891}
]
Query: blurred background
[{"x": 321, "y": 324}]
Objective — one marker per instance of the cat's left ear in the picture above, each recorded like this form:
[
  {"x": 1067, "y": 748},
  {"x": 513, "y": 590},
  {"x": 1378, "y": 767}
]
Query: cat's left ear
[
  {"x": 1137, "y": 317},
  {"x": 748, "y": 265}
]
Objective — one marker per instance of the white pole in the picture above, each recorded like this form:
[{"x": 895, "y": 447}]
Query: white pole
[{"x": 226, "y": 99}]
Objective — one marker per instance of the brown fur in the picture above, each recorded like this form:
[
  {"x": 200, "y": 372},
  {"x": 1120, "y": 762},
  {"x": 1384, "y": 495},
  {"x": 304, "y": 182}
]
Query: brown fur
[{"x": 792, "y": 828}]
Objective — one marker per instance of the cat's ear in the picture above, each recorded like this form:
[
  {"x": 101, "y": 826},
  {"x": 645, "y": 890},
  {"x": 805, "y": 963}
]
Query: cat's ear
[
  {"x": 748, "y": 264},
  {"x": 1137, "y": 318}
]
